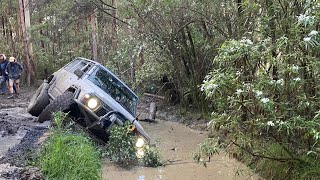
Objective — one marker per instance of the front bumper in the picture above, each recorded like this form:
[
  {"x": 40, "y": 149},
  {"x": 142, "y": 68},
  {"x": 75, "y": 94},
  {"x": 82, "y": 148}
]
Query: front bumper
[{"x": 98, "y": 125}]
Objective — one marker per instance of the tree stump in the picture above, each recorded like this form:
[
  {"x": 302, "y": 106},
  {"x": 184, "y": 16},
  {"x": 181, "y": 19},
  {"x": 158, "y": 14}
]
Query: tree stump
[{"x": 152, "y": 111}]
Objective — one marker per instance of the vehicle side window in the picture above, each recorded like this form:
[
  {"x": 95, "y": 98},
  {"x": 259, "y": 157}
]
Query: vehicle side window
[
  {"x": 80, "y": 66},
  {"x": 87, "y": 67},
  {"x": 72, "y": 64}
]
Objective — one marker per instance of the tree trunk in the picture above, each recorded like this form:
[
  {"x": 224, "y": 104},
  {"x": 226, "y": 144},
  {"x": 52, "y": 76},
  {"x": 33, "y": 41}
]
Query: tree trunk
[
  {"x": 41, "y": 35},
  {"x": 29, "y": 69},
  {"x": 9, "y": 34},
  {"x": 30, "y": 62},
  {"x": 140, "y": 55},
  {"x": 132, "y": 67},
  {"x": 94, "y": 27},
  {"x": 28, "y": 25},
  {"x": 3, "y": 26},
  {"x": 152, "y": 111},
  {"x": 114, "y": 44},
  {"x": 114, "y": 25}
]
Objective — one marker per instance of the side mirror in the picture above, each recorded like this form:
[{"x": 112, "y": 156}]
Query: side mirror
[{"x": 79, "y": 73}]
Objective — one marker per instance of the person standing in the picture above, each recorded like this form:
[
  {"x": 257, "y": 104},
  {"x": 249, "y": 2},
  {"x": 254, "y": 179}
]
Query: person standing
[
  {"x": 14, "y": 71},
  {"x": 4, "y": 76}
]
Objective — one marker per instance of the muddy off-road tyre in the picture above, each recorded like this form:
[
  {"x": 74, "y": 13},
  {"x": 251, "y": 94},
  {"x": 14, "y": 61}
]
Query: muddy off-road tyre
[
  {"x": 39, "y": 100},
  {"x": 61, "y": 103}
]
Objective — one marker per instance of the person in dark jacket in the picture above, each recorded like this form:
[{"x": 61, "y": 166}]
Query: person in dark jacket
[
  {"x": 14, "y": 71},
  {"x": 4, "y": 76}
]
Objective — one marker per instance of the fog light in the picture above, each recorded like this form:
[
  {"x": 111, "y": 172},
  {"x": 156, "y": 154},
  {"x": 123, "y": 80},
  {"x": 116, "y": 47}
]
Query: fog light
[
  {"x": 131, "y": 128},
  {"x": 92, "y": 103},
  {"x": 140, "y": 153},
  {"x": 140, "y": 142}
]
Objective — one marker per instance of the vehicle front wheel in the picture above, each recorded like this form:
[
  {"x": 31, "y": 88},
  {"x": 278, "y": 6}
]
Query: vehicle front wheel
[
  {"x": 61, "y": 103},
  {"x": 39, "y": 100}
]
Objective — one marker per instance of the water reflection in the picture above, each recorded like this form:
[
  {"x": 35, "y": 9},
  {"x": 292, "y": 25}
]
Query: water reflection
[{"x": 176, "y": 143}]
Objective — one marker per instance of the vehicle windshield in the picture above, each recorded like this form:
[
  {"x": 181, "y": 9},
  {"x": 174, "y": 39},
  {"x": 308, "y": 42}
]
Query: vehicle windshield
[{"x": 115, "y": 88}]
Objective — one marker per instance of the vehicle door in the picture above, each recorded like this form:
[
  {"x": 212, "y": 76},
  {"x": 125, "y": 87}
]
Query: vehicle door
[{"x": 66, "y": 77}]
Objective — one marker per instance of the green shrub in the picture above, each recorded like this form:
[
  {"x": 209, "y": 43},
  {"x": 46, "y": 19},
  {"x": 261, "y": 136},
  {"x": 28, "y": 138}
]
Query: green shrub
[
  {"x": 122, "y": 151},
  {"x": 264, "y": 93},
  {"x": 69, "y": 156},
  {"x": 306, "y": 167},
  {"x": 151, "y": 157},
  {"x": 206, "y": 150},
  {"x": 121, "y": 148}
]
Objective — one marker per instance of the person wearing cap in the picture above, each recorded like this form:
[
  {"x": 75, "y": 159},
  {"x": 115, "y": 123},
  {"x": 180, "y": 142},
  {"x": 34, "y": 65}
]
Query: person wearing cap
[{"x": 14, "y": 71}]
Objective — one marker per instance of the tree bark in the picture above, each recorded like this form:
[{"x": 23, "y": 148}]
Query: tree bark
[
  {"x": 114, "y": 25},
  {"x": 28, "y": 25},
  {"x": 94, "y": 28},
  {"x": 29, "y": 69},
  {"x": 152, "y": 111},
  {"x": 114, "y": 44},
  {"x": 132, "y": 67},
  {"x": 140, "y": 56}
]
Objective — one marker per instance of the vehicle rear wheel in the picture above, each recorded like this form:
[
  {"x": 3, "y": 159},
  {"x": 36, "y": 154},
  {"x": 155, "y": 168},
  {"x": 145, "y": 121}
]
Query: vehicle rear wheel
[
  {"x": 61, "y": 103},
  {"x": 39, "y": 100}
]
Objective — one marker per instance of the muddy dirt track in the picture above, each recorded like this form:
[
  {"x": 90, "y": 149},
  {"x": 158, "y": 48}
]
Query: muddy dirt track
[{"x": 20, "y": 137}]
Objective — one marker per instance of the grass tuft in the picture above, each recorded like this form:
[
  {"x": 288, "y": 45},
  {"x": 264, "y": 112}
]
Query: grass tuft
[
  {"x": 69, "y": 156},
  {"x": 151, "y": 157}
]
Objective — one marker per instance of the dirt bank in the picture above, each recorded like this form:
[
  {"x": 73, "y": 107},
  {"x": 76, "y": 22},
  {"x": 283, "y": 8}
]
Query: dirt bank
[{"x": 173, "y": 113}]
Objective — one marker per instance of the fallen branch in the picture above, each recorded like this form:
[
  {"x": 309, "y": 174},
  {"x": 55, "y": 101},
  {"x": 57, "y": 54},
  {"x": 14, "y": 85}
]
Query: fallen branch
[
  {"x": 267, "y": 157},
  {"x": 154, "y": 96}
]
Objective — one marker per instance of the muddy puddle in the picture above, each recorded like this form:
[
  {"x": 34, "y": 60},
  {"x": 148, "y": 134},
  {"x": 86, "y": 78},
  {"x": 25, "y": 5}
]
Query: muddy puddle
[
  {"x": 13, "y": 127},
  {"x": 176, "y": 143},
  {"x": 18, "y": 134},
  {"x": 10, "y": 140}
]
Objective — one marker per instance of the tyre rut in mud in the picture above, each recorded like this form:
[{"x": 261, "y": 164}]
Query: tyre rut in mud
[
  {"x": 61, "y": 103},
  {"x": 39, "y": 100}
]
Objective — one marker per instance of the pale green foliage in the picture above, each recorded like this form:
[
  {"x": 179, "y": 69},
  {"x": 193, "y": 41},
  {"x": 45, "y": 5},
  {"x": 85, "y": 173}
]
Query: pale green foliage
[
  {"x": 121, "y": 146},
  {"x": 205, "y": 150},
  {"x": 265, "y": 90},
  {"x": 152, "y": 157}
]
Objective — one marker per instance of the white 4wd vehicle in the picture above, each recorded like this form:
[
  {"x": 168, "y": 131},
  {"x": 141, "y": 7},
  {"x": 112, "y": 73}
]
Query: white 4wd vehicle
[{"x": 93, "y": 96}]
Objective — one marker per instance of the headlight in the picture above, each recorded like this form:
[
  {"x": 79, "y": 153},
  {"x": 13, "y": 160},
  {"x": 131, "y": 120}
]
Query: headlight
[
  {"x": 140, "y": 142},
  {"x": 92, "y": 103},
  {"x": 131, "y": 128},
  {"x": 140, "y": 153}
]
